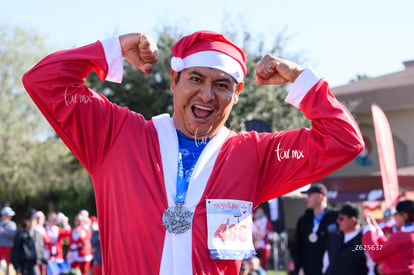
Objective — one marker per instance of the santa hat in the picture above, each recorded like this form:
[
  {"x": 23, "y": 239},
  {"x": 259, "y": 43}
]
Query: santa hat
[
  {"x": 84, "y": 212},
  {"x": 60, "y": 217},
  {"x": 209, "y": 49},
  {"x": 38, "y": 214}
]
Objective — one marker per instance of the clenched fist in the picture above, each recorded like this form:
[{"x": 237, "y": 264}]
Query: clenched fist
[
  {"x": 140, "y": 49},
  {"x": 275, "y": 71}
]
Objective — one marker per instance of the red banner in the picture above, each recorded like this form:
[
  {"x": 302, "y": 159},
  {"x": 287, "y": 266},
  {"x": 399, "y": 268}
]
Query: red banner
[{"x": 386, "y": 156}]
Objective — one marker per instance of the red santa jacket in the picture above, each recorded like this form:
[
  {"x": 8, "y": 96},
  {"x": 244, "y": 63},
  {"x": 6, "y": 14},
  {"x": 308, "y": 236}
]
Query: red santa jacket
[
  {"x": 55, "y": 246},
  {"x": 133, "y": 163},
  {"x": 80, "y": 245},
  {"x": 396, "y": 253}
]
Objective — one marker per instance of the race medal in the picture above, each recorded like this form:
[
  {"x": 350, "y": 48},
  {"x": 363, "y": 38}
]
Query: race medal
[
  {"x": 177, "y": 219},
  {"x": 313, "y": 238}
]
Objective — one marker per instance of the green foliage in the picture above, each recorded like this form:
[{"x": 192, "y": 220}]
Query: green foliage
[
  {"x": 33, "y": 162},
  {"x": 70, "y": 199},
  {"x": 265, "y": 103},
  {"x": 359, "y": 77}
]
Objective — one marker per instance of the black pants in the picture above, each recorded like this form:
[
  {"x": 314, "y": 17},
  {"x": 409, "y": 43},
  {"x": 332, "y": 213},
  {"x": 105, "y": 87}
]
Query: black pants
[{"x": 30, "y": 268}]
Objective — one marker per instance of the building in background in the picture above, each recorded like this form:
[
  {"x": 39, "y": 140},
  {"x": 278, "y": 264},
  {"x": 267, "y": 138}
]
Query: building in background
[{"x": 360, "y": 180}]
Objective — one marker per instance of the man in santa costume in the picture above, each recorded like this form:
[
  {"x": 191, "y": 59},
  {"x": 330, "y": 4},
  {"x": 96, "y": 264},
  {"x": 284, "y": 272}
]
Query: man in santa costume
[
  {"x": 175, "y": 195},
  {"x": 80, "y": 247},
  {"x": 57, "y": 234}
]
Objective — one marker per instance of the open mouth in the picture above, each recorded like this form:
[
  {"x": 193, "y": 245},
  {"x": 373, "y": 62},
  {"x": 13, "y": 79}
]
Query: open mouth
[{"x": 201, "y": 112}]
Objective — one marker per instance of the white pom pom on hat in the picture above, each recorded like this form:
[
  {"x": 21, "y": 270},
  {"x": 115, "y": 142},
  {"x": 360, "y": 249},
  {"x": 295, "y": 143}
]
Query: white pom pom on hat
[
  {"x": 177, "y": 64},
  {"x": 209, "y": 49}
]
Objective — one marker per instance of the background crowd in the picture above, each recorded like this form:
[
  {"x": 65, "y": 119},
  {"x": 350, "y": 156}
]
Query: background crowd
[
  {"x": 326, "y": 241},
  {"x": 50, "y": 245},
  {"x": 332, "y": 242}
]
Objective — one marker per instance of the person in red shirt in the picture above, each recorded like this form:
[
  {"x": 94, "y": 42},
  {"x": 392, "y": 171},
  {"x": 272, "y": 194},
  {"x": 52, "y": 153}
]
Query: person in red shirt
[
  {"x": 180, "y": 190},
  {"x": 80, "y": 248},
  {"x": 388, "y": 223},
  {"x": 55, "y": 247},
  {"x": 262, "y": 228},
  {"x": 7, "y": 231},
  {"x": 395, "y": 253}
]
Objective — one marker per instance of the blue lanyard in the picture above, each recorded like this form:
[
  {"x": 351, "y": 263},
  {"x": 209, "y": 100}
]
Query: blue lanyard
[
  {"x": 182, "y": 180},
  {"x": 317, "y": 221}
]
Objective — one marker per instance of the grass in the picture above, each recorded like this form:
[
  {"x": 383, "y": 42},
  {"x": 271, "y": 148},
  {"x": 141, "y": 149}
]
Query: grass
[{"x": 279, "y": 272}]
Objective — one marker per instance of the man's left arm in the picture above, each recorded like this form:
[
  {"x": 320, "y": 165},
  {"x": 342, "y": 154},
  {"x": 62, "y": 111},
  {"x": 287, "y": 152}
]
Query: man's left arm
[{"x": 295, "y": 158}]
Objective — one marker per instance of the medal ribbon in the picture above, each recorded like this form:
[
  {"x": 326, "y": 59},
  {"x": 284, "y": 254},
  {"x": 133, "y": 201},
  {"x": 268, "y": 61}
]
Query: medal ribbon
[
  {"x": 192, "y": 150},
  {"x": 317, "y": 221},
  {"x": 182, "y": 180}
]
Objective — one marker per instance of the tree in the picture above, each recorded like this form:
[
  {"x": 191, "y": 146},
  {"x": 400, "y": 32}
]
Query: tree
[
  {"x": 33, "y": 161},
  {"x": 266, "y": 103},
  {"x": 359, "y": 77}
]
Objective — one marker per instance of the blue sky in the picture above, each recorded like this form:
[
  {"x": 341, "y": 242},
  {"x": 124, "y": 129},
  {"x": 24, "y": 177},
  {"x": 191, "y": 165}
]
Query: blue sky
[{"x": 340, "y": 39}]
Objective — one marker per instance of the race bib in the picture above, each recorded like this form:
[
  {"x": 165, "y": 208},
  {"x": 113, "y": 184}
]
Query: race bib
[{"x": 229, "y": 224}]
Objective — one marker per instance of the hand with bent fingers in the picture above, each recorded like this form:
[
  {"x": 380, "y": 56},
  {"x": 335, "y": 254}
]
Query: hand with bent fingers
[
  {"x": 139, "y": 49},
  {"x": 275, "y": 71}
]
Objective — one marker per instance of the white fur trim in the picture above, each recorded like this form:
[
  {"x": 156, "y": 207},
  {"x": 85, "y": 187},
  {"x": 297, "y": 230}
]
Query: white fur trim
[
  {"x": 210, "y": 59},
  {"x": 177, "y": 250},
  {"x": 306, "y": 80},
  {"x": 113, "y": 55},
  {"x": 86, "y": 258}
]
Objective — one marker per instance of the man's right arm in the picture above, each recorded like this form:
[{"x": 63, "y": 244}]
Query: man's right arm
[
  {"x": 81, "y": 117},
  {"x": 85, "y": 120}
]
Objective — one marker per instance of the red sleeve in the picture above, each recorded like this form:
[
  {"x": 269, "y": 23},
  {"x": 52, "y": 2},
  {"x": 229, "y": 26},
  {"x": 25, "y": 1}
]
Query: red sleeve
[
  {"x": 269, "y": 226},
  {"x": 386, "y": 247},
  {"x": 86, "y": 121},
  {"x": 64, "y": 232},
  {"x": 294, "y": 158},
  {"x": 46, "y": 239}
]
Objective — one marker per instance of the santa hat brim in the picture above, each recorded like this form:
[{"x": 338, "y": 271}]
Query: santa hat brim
[{"x": 210, "y": 59}]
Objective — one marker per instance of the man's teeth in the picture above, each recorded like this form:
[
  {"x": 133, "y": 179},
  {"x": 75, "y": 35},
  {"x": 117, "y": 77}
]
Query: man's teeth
[{"x": 203, "y": 108}]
